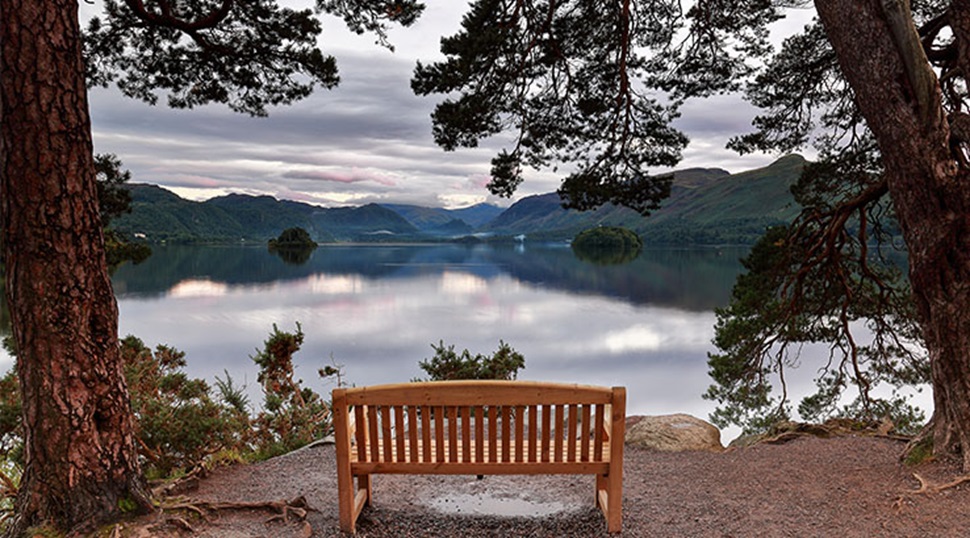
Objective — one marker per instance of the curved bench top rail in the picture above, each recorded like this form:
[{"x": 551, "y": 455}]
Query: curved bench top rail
[{"x": 475, "y": 393}]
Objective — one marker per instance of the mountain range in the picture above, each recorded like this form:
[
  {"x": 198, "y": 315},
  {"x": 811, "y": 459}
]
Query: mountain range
[{"x": 706, "y": 206}]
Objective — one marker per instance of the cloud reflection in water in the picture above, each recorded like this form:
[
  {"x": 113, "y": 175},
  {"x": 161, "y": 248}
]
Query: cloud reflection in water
[{"x": 379, "y": 325}]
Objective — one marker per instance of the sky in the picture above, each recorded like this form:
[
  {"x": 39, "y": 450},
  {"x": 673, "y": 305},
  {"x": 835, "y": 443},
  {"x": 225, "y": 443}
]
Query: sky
[{"x": 367, "y": 141}]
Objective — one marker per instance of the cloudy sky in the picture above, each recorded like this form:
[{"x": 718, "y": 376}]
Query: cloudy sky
[{"x": 367, "y": 141}]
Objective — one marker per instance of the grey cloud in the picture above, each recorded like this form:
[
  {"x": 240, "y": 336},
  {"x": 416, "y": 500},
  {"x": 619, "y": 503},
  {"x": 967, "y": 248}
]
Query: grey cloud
[{"x": 371, "y": 131}]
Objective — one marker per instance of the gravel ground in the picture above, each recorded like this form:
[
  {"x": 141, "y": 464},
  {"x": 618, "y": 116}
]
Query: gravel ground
[{"x": 846, "y": 487}]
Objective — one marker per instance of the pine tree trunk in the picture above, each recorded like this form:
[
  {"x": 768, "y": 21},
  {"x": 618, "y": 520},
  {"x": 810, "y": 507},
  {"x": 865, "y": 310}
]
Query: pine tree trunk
[
  {"x": 900, "y": 98},
  {"x": 81, "y": 461}
]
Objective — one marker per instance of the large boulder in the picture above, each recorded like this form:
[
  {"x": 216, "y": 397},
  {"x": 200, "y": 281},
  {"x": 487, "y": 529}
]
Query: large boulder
[{"x": 673, "y": 433}]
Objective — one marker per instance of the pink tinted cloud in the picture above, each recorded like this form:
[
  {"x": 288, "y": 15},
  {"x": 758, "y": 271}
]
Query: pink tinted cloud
[
  {"x": 353, "y": 175},
  {"x": 297, "y": 196},
  {"x": 478, "y": 181},
  {"x": 195, "y": 182}
]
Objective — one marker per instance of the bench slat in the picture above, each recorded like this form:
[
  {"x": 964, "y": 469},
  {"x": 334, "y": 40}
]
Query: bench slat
[
  {"x": 479, "y": 434},
  {"x": 452, "y": 416},
  {"x": 409, "y": 448},
  {"x": 466, "y": 434},
  {"x": 487, "y": 468},
  {"x": 533, "y": 432},
  {"x": 386, "y": 439},
  {"x": 506, "y": 433},
  {"x": 413, "y": 433},
  {"x": 598, "y": 435},
  {"x": 546, "y": 433},
  {"x": 558, "y": 449},
  {"x": 572, "y": 433},
  {"x": 492, "y": 433},
  {"x": 374, "y": 440},
  {"x": 399, "y": 432},
  {"x": 439, "y": 433},
  {"x": 584, "y": 435},
  {"x": 361, "y": 431},
  {"x": 478, "y": 393},
  {"x": 426, "y": 432}
]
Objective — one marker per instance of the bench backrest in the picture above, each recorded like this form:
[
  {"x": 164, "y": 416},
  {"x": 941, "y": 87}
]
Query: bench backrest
[{"x": 451, "y": 426}]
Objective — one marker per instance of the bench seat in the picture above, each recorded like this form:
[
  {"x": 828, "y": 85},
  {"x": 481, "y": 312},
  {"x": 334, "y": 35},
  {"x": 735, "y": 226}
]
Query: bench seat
[
  {"x": 479, "y": 428},
  {"x": 551, "y": 465}
]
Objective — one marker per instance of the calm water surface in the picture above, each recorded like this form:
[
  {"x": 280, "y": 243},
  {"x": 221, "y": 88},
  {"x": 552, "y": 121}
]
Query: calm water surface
[{"x": 376, "y": 310}]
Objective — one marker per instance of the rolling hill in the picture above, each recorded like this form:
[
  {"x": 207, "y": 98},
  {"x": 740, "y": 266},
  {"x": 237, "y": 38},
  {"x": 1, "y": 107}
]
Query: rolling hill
[
  {"x": 161, "y": 215},
  {"x": 706, "y": 206}
]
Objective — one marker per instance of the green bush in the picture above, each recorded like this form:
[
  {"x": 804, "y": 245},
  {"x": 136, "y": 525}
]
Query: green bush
[
  {"x": 178, "y": 422},
  {"x": 447, "y": 365},
  {"x": 11, "y": 431},
  {"x": 293, "y": 415},
  {"x": 181, "y": 422}
]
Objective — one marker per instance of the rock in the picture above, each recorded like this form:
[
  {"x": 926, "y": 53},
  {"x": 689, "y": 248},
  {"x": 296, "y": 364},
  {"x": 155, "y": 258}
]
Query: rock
[{"x": 673, "y": 433}]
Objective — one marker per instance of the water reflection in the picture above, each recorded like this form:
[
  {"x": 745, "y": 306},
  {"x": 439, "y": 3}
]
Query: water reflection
[
  {"x": 293, "y": 255},
  {"x": 377, "y": 309},
  {"x": 692, "y": 279},
  {"x": 646, "y": 325}
]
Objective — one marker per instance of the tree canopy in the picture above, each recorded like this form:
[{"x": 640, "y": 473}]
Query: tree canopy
[
  {"x": 607, "y": 245},
  {"x": 81, "y": 462},
  {"x": 878, "y": 88},
  {"x": 246, "y": 55}
]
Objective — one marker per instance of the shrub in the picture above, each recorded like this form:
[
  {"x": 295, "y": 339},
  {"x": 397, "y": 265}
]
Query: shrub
[
  {"x": 447, "y": 365},
  {"x": 292, "y": 415},
  {"x": 178, "y": 423},
  {"x": 11, "y": 431}
]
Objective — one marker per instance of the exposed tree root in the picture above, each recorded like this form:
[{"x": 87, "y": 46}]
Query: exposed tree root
[
  {"x": 188, "y": 482},
  {"x": 786, "y": 431},
  {"x": 926, "y": 488},
  {"x": 180, "y": 523},
  {"x": 297, "y": 508}
]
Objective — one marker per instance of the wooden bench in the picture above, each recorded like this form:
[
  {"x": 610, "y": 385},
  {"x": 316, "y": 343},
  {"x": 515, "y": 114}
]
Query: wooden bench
[{"x": 479, "y": 428}]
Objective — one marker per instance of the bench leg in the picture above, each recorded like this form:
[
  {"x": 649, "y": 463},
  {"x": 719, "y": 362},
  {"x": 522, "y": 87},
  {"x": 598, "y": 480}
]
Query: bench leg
[
  {"x": 364, "y": 483},
  {"x": 609, "y": 499},
  {"x": 349, "y": 499},
  {"x": 614, "y": 516},
  {"x": 345, "y": 477},
  {"x": 345, "y": 499}
]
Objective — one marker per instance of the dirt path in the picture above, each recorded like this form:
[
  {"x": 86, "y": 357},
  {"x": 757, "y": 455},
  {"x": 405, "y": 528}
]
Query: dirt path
[{"x": 843, "y": 487}]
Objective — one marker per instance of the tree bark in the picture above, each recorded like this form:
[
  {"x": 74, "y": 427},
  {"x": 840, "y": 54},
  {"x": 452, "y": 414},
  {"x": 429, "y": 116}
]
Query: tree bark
[
  {"x": 899, "y": 96},
  {"x": 81, "y": 461}
]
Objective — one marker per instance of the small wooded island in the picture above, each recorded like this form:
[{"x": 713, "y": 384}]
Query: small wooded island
[
  {"x": 607, "y": 245},
  {"x": 294, "y": 245}
]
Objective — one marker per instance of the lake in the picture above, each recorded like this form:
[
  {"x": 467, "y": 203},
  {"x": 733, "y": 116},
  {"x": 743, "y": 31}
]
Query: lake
[{"x": 377, "y": 309}]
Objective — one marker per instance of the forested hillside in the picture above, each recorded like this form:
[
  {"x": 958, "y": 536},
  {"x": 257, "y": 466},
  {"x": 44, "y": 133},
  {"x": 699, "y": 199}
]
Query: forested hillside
[
  {"x": 160, "y": 215},
  {"x": 706, "y": 206}
]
